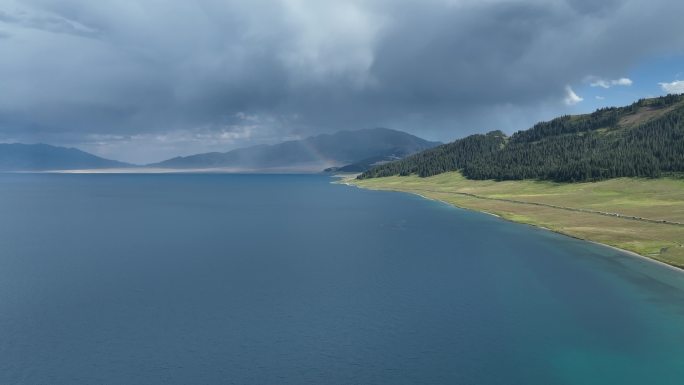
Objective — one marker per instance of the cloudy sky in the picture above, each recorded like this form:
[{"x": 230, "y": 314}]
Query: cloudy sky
[{"x": 144, "y": 80}]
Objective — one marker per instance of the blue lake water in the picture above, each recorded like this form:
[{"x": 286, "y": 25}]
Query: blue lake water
[{"x": 258, "y": 279}]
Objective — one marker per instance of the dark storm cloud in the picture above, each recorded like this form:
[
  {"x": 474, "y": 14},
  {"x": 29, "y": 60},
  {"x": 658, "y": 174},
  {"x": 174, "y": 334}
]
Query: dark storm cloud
[{"x": 145, "y": 79}]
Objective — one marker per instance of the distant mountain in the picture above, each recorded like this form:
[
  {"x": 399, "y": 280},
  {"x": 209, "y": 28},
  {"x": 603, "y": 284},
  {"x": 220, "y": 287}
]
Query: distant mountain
[
  {"x": 645, "y": 139},
  {"x": 41, "y": 157},
  {"x": 312, "y": 154}
]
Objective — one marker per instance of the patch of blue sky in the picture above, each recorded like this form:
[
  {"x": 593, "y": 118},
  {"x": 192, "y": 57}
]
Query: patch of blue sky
[{"x": 646, "y": 82}]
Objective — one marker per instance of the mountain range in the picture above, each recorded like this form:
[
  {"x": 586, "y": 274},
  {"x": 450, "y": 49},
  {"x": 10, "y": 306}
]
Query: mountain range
[
  {"x": 644, "y": 139},
  {"x": 357, "y": 150},
  {"x": 311, "y": 154},
  {"x": 40, "y": 157}
]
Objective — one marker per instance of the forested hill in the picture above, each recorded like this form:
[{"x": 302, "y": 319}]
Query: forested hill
[{"x": 645, "y": 139}]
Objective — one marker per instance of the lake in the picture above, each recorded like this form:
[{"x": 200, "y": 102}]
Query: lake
[{"x": 290, "y": 279}]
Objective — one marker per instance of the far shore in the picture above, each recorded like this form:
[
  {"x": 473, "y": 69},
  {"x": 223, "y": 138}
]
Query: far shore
[{"x": 305, "y": 169}]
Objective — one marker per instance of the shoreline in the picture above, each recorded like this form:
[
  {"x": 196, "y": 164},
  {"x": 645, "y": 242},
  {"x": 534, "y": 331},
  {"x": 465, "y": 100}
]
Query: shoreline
[{"x": 630, "y": 253}]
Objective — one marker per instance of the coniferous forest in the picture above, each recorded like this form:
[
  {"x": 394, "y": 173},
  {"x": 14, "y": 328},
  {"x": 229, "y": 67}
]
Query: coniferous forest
[{"x": 645, "y": 139}]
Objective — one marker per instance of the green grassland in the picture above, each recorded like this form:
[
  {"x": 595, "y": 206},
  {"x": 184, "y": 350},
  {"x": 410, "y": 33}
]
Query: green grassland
[{"x": 645, "y": 216}]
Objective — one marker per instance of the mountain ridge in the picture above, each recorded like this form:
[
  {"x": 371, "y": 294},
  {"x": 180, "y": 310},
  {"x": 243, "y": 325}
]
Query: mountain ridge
[
  {"x": 316, "y": 152},
  {"x": 644, "y": 139},
  {"x": 46, "y": 157},
  {"x": 357, "y": 148}
]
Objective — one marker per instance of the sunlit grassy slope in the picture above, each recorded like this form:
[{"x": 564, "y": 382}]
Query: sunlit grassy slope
[{"x": 593, "y": 211}]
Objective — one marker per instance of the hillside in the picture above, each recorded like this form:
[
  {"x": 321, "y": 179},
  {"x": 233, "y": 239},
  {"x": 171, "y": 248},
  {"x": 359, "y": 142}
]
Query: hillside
[
  {"x": 314, "y": 153},
  {"x": 41, "y": 157},
  {"x": 645, "y": 139}
]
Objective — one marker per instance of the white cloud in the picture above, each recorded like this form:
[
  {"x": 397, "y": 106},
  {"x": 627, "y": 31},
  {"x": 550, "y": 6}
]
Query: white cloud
[
  {"x": 605, "y": 83},
  {"x": 600, "y": 83},
  {"x": 599, "y": 97},
  {"x": 623, "y": 82},
  {"x": 571, "y": 98},
  {"x": 676, "y": 87}
]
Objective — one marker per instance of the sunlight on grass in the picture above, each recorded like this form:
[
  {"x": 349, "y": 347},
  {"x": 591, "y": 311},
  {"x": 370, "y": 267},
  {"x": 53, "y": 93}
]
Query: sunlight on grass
[{"x": 519, "y": 201}]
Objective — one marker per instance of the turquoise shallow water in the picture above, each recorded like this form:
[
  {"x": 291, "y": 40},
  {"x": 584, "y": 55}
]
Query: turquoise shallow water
[{"x": 258, "y": 279}]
